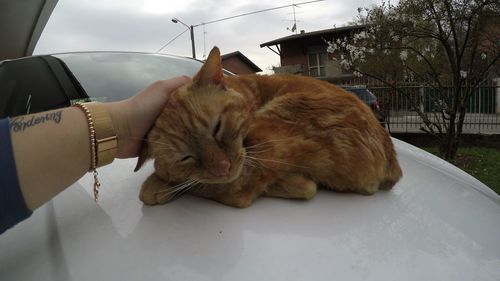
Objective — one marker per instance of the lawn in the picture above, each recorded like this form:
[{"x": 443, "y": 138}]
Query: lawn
[{"x": 481, "y": 162}]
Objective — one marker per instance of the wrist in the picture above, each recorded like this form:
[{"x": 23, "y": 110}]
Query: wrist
[
  {"x": 119, "y": 118},
  {"x": 103, "y": 140}
]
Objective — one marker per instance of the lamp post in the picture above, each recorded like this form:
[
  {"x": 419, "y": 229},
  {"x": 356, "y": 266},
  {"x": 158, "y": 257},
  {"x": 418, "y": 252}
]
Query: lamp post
[{"x": 191, "y": 29}]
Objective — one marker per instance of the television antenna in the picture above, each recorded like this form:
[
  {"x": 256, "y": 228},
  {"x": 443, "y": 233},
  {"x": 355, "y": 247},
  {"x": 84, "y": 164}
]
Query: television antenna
[
  {"x": 191, "y": 27},
  {"x": 294, "y": 26}
]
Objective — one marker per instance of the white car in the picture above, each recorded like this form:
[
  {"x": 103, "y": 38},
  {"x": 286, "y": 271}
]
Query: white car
[{"x": 438, "y": 223}]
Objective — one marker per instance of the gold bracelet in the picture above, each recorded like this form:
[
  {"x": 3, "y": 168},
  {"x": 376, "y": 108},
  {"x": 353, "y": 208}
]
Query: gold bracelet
[{"x": 103, "y": 142}]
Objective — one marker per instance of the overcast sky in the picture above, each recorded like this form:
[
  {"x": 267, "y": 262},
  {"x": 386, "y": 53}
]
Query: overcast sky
[{"x": 145, "y": 25}]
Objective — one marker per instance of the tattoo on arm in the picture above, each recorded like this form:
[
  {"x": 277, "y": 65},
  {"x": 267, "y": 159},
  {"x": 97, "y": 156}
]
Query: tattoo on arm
[{"x": 20, "y": 124}]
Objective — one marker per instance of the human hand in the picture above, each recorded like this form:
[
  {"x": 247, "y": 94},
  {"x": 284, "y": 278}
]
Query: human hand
[{"x": 134, "y": 117}]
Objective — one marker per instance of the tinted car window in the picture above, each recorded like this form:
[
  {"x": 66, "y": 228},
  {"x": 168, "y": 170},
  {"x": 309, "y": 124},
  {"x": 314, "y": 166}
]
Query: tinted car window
[
  {"x": 39, "y": 83},
  {"x": 364, "y": 94},
  {"x": 36, "y": 84}
]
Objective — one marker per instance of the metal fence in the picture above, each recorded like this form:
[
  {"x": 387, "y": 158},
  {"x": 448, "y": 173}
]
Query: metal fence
[{"x": 483, "y": 110}]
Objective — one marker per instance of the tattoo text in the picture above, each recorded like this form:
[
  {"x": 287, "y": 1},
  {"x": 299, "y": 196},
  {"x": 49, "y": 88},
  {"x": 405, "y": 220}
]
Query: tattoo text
[{"x": 20, "y": 124}]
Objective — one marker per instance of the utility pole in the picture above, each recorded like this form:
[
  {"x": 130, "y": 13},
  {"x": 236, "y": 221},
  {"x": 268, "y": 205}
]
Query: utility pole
[{"x": 191, "y": 29}]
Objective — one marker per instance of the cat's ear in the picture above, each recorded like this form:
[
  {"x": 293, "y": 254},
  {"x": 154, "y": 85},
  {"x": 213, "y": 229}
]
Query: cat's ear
[
  {"x": 211, "y": 72},
  {"x": 143, "y": 156}
]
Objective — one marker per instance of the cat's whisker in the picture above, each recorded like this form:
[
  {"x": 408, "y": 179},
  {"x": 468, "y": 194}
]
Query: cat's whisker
[
  {"x": 263, "y": 147},
  {"x": 257, "y": 151},
  {"x": 185, "y": 184},
  {"x": 184, "y": 190},
  {"x": 172, "y": 194},
  {"x": 202, "y": 186},
  {"x": 179, "y": 189},
  {"x": 168, "y": 191},
  {"x": 276, "y": 161},
  {"x": 257, "y": 164},
  {"x": 175, "y": 187},
  {"x": 267, "y": 142},
  {"x": 249, "y": 164},
  {"x": 252, "y": 163}
]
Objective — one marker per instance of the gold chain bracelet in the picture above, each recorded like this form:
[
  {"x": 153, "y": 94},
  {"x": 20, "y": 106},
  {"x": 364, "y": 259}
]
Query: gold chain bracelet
[{"x": 103, "y": 142}]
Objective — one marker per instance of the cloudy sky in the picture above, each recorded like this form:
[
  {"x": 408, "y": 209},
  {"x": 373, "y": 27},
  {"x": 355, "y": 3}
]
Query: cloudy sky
[{"x": 145, "y": 25}]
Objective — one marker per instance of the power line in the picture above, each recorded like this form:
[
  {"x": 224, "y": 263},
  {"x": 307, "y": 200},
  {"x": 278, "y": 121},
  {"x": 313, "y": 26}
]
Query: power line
[
  {"x": 259, "y": 11},
  {"x": 168, "y": 43},
  {"x": 176, "y": 20}
]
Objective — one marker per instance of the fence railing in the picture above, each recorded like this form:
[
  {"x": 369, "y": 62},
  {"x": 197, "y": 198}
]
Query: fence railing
[{"x": 483, "y": 107}]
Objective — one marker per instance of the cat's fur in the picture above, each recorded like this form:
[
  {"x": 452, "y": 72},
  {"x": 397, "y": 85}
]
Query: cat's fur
[{"x": 233, "y": 139}]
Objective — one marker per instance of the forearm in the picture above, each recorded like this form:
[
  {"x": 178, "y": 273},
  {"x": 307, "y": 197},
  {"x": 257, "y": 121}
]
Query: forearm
[{"x": 51, "y": 151}]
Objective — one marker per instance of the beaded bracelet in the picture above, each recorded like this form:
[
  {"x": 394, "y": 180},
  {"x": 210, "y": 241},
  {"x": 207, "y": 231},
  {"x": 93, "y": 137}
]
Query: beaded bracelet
[{"x": 103, "y": 142}]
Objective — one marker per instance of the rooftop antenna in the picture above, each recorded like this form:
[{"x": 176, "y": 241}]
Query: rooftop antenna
[
  {"x": 204, "y": 42},
  {"x": 294, "y": 27},
  {"x": 191, "y": 27}
]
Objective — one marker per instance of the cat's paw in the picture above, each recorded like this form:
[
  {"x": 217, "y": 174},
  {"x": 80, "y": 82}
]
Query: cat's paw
[
  {"x": 369, "y": 189},
  {"x": 237, "y": 201},
  {"x": 155, "y": 191},
  {"x": 293, "y": 186}
]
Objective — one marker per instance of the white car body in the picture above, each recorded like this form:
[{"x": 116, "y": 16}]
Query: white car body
[{"x": 438, "y": 223}]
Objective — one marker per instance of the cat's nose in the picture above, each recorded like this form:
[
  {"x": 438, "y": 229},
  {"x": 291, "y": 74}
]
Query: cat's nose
[{"x": 223, "y": 168}]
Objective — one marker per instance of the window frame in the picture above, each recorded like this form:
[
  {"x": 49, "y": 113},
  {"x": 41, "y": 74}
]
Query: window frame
[{"x": 319, "y": 67}]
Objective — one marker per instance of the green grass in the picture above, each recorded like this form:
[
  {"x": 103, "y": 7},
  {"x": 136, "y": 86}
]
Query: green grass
[{"x": 481, "y": 162}]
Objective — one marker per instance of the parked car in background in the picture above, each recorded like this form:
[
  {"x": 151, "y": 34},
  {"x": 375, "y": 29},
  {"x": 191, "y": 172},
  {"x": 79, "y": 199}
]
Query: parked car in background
[
  {"x": 438, "y": 223},
  {"x": 369, "y": 99}
]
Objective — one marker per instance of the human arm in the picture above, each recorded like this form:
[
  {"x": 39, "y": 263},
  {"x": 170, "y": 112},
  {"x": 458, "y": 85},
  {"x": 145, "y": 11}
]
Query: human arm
[{"x": 53, "y": 154}]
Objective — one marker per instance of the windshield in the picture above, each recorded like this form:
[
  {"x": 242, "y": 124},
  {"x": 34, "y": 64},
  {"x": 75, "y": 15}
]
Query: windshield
[
  {"x": 117, "y": 76},
  {"x": 364, "y": 94},
  {"x": 41, "y": 83}
]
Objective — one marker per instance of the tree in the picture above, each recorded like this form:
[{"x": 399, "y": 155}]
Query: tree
[{"x": 451, "y": 46}]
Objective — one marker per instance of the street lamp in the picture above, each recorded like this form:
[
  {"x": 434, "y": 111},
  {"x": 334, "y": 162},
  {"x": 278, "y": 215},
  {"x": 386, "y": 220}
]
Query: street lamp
[{"x": 191, "y": 29}]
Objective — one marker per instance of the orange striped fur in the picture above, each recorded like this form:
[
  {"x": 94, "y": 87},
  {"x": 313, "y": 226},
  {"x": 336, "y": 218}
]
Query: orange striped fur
[{"x": 233, "y": 139}]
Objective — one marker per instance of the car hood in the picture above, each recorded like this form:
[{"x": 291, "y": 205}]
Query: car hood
[{"x": 438, "y": 223}]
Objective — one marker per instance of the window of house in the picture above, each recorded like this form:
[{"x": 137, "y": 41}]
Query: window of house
[{"x": 317, "y": 63}]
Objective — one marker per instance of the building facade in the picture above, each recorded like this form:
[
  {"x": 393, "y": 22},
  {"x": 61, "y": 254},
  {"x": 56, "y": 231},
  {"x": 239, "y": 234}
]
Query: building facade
[
  {"x": 306, "y": 53},
  {"x": 239, "y": 64}
]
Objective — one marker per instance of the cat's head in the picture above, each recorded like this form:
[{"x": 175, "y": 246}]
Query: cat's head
[{"x": 200, "y": 133}]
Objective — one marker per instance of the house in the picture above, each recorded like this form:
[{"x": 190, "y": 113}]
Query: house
[
  {"x": 238, "y": 63},
  {"x": 305, "y": 53}
]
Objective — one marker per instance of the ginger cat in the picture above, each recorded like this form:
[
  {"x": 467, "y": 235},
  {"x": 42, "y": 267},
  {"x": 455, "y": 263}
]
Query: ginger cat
[{"x": 233, "y": 139}]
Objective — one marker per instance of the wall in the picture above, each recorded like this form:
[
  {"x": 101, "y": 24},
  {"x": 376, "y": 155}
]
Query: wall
[
  {"x": 236, "y": 66},
  {"x": 295, "y": 53}
]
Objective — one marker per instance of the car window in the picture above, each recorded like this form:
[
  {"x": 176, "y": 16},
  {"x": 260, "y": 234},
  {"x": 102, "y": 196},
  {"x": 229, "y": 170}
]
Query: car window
[
  {"x": 40, "y": 83},
  {"x": 117, "y": 76},
  {"x": 36, "y": 84},
  {"x": 364, "y": 94}
]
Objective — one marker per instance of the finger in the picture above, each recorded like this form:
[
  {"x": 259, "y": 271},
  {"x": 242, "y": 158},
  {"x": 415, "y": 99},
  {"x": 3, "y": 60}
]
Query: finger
[{"x": 172, "y": 84}]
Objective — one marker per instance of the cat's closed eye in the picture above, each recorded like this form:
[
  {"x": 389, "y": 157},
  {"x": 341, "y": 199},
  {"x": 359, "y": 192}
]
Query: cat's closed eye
[
  {"x": 217, "y": 129},
  {"x": 186, "y": 158}
]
